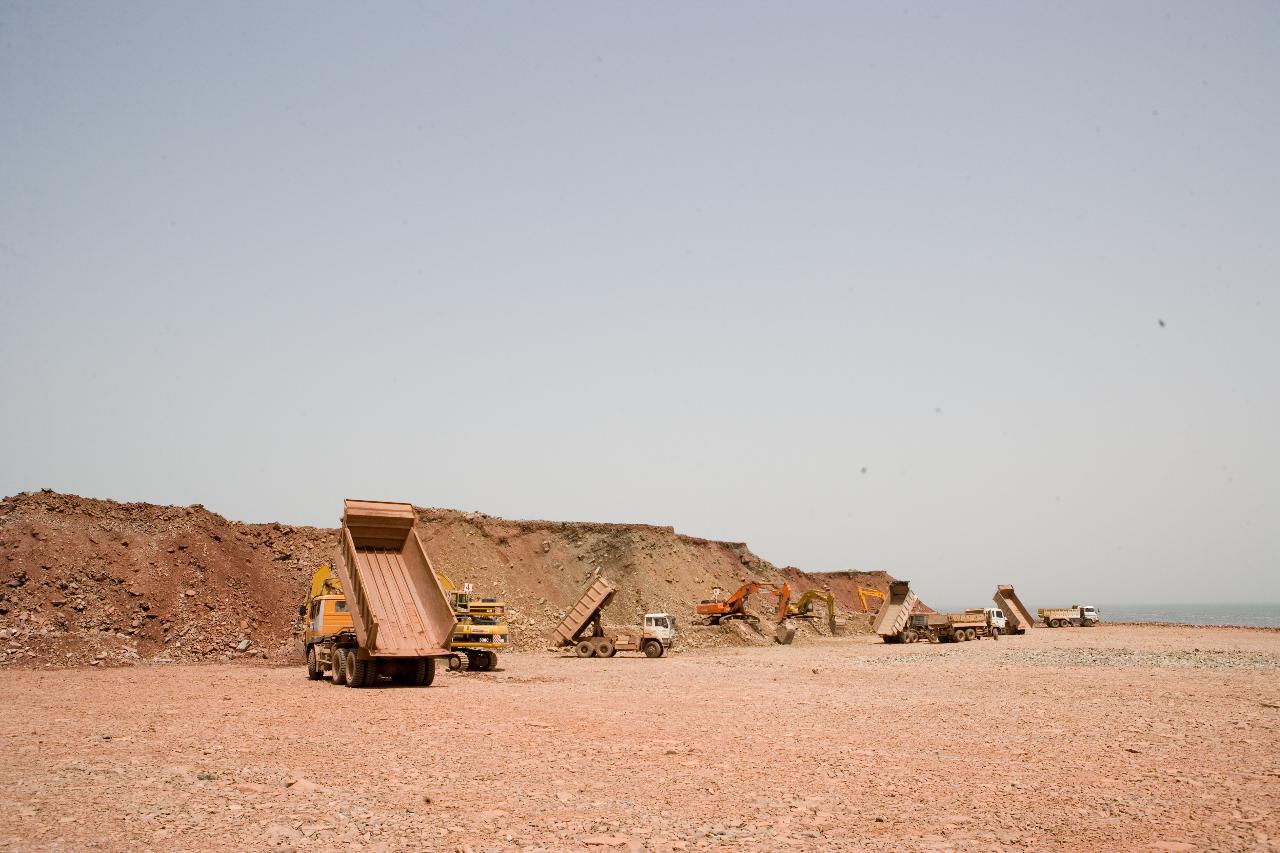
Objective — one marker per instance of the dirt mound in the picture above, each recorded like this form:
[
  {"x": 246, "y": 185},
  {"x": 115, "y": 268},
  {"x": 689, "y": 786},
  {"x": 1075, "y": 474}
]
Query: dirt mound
[
  {"x": 96, "y": 582},
  {"x": 85, "y": 581}
]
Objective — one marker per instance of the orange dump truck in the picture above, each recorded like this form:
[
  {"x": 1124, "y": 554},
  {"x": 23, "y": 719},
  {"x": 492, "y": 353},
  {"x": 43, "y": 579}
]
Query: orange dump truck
[{"x": 391, "y": 618}]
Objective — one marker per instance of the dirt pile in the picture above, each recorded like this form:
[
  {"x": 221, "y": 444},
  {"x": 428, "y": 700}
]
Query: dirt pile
[{"x": 96, "y": 582}]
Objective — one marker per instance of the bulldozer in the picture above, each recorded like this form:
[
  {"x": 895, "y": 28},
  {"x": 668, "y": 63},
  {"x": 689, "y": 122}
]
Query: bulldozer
[{"x": 718, "y": 608}]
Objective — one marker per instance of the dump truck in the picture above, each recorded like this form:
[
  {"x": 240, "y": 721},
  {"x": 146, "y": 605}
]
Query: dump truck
[
  {"x": 893, "y": 618},
  {"x": 1017, "y": 618},
  {"x": 481, "y": 631},
  {"x": 1076, "y": 615},
  {"x": 388, "y": 615},
  {"x": 958, "y": 627},
  {"x": 580, "y": 629}
]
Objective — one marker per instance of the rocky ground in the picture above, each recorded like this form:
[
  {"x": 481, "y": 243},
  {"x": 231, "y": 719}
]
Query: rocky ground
[
  {"x": 1114, "y": 738},
  {"x": 97, "y": 582}
]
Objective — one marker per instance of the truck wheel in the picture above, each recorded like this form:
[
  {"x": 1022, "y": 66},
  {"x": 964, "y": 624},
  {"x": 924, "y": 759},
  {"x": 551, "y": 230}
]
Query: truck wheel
[
  {"x": 652, "y": 649},
  {"x": 604, "y": 648},
  {"x": 336, "y": 657},
  {"x": 970, "y": 634},
  {"x": 313, "y": 665},
  {"x": 1054, "y": 623},
  {"x": 360, "y": 673},
  {"x": 424, "y": 672},
  {"x": 349, "y": 667},
  {"x": 585, "y": 649}
]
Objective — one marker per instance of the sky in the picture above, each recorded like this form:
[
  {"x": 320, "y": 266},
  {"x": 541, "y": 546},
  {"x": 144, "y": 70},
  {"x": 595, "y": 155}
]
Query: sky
[{"x": 970, "y": 293}]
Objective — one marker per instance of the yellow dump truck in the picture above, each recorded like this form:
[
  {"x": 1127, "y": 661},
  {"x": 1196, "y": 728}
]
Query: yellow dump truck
[
  {"x": 386, "y": 616},
  {"x": 482, "y": 626}
]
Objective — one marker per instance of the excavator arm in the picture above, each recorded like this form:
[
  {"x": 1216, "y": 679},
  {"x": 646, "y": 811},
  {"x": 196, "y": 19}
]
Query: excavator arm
[{"x": 864, "y": 592}]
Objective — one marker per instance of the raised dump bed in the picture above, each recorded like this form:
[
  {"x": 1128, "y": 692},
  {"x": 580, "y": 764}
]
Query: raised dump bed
[
  {"x": 1017, "y": 618},
  {"x": 400, "y": 617},
  {"x": 893, "y": 615},
  {"x": 581, "y": 629}
]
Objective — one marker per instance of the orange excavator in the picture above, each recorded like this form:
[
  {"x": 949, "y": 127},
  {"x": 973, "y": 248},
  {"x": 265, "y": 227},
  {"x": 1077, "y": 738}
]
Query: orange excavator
[{"x": 717, "y": 608}]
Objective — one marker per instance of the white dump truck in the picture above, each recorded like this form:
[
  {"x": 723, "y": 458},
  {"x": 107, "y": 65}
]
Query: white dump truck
[
  {"x": 580, "y": 629},
  {"x": 1077, "y": 615}
]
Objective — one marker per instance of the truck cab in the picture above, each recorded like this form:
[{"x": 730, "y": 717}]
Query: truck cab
[
  {"x": 997, "y": 620},
  {"x": 328, "y": 616},
  {"x": 1089, "y": 615},
  {"x": 660, "y": 626}
]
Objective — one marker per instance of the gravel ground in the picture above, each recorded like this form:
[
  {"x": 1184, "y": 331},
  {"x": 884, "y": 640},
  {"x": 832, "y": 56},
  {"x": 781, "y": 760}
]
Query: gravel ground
[{"x": 1114, "y": 738}]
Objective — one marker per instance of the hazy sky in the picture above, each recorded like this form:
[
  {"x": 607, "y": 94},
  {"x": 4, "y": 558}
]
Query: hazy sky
[{"x": 967, "y": 292}]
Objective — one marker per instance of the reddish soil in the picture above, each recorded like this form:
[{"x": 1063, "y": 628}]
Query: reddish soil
[
  {"x": 96, "y": 582},
  {"x": 1114, "y": 738}
]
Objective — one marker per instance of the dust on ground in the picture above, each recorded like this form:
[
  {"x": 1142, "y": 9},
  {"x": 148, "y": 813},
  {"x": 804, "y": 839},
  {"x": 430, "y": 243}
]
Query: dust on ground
[{"x": 1078, "y": 739}]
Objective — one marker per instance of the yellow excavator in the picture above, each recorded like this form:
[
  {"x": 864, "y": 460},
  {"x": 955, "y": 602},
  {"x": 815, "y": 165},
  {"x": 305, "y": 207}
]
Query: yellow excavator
[
  {"x": 864, "y": 592},
  {"x": 802, "y": 606},
  {"x": 481, "y": 630}
]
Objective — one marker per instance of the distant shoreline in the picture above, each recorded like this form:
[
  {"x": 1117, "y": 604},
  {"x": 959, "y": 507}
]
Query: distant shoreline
[{"x": 1135, "y": 624}]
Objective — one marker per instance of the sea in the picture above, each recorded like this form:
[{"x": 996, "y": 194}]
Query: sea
[{"x": 1254, "y": 615}]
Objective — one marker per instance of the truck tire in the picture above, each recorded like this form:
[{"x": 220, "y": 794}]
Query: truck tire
[
  {"x": 336, "y": 659},
  {"x": 349, "y": 666},
  {"x": 361, "y": 672},
  {"x": 909, "y": 636},
  {"x": 970, "y": 634},
  {"x": 604, "y": 648},
  {"x": 1055, "y": 623},
  {"x": 585, "y": 649},
  {"x": 313, "y": 665},
  {"x": 424, "y": 672},
  {"x": 652, "y": 649}
]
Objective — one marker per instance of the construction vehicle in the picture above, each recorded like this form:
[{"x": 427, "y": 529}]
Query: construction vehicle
[
  {"x": 1017, "y": 618},
  {"x": 801, "y": 608},
  {"x": 864, "y": 592},
  {"x": 959, "y": 627},
  {"x": 580, "y": 629},
  {"x": 893, "y": 619},
  {"x": 1075, "y": 615},
  {"x": 387, "y": 614},
  {"x": 718, "y": 607},
  {"x": 482, "y": 626}
]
